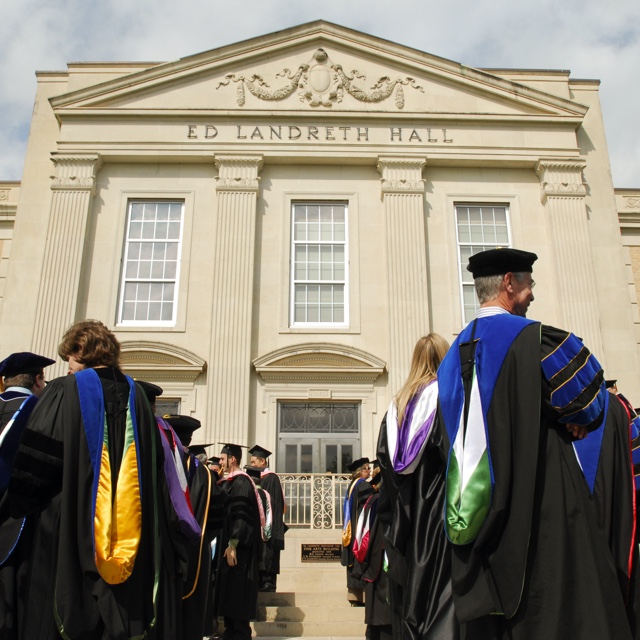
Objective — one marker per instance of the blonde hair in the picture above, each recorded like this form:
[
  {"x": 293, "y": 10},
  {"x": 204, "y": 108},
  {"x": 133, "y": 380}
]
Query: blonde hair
[{"x": 427, "y": 356}]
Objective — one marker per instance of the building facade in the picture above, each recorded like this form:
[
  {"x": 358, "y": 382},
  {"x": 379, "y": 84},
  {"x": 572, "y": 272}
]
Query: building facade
[{"x": 270, "y": 226}]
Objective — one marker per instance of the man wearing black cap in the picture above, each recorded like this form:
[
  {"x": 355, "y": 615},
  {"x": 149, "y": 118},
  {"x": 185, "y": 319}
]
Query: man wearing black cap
[
  {"x": 23, "y": 381},
  {"x": 237, "y": 580},
  {"x": 540, "y": 517},
  {"x": 181, "y": 532},
  {"x": 270, "y": 561},
  {"x": 206, "y": 500}
]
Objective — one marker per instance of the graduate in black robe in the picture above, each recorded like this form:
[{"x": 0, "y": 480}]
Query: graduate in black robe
[
  {"x": 371, "y": 555},
  {"x": 90, "y": 444},
  {"x": 272, "y": 548},
  {"x": 23, "y": 382},
  {"x": 540, "y": 516},
  {"x": 357, "y": 494},
  {"x": 410, "y": 511},
  {"x": 206, "y": 501},
  {"x": 240, "y": 539}
]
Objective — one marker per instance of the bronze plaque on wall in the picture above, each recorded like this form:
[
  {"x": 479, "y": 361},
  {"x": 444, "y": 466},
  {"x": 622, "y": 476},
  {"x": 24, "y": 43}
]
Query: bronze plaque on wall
[{"x": 320, "y": 553}]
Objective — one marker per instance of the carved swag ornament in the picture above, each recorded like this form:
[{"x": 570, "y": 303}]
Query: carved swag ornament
[{"x": 321, "y": 83}]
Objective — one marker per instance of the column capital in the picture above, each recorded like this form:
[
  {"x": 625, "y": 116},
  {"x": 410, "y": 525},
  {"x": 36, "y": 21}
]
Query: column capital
[
  {"x": 238, "y": 173},
  {"x": 560, "y": 178},
  {"x": 401, "y": 174},
  {"x": 75, "y": 171}
]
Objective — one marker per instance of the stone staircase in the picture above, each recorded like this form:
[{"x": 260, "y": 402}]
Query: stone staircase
[
  {"x": 311, "y": 600},
  {"x": 308, "y": 615}
]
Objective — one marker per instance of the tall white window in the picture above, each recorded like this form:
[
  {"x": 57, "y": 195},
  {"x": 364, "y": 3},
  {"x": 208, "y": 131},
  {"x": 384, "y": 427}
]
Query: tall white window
[
  {"x": 479, "y": 227},
  {"x": 151, "y": 264},
  {"x": 319, "y": 274}
]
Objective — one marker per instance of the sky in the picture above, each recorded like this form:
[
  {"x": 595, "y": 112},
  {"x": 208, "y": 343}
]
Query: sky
[{"x": 594, "y": 39}]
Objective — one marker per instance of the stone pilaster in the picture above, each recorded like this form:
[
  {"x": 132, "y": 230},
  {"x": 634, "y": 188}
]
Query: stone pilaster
[
  {"x": 74, "y": 187},
  {"x": 403, "y": 198},
  {"x": 563, "y": 193},
  {"x": 233, "y": 253}
]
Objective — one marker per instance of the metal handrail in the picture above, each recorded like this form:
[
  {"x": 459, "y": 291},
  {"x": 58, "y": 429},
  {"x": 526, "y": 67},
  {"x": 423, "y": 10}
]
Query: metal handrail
[{"x": 314, "y": 500}]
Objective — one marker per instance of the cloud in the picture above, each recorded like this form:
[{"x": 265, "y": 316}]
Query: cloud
[{"x": 593, "y": 39}]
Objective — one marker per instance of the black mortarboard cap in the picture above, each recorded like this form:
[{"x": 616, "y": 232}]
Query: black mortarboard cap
[
  {"x": 214, "y": 460},
  {"x": 610, "y": 383},
  {"x": 184, "y": 426},
  {"x": 23, "y": 362},
  {"x": 254, "y": 472},
  {"x": 499, "y": 261},
  {"x": 197, "y": 449},
  {"x": 234, "y": 450},
  {"x": 259, "y": 452},
  {"x": 152, "y": 391},
  {"x": 356, "y": 464}
]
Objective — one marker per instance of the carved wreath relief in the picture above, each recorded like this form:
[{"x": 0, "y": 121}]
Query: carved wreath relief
[{"x": 321, "y": 83}]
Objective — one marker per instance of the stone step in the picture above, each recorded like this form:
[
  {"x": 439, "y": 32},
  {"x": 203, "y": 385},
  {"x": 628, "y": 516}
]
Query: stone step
[
  {"x": 309, "y": 629},
  {"x": 304, "y": 598},
  {"x": 358, "y": 637},
  {"x": 308, "y": 614}
]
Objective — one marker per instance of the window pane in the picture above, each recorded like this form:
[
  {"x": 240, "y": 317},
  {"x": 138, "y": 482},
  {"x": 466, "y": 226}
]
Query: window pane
[
  {"x": 135, "y": 230},
  {"x": 136, "y": 211},
  {"x": 306, "y": 458},
  {"x": 331, "y": 458},
  {"x": 291, "y": 458}
]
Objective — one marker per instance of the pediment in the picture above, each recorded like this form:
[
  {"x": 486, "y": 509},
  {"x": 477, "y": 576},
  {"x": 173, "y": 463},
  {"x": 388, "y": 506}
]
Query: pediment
[
  {"x": 157, "y": 361},
  {"x": 319, "y": 362},
  {"x": 316, "y": 69}
]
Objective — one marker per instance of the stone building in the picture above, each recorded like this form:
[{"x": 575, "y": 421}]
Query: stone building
[{"x": 269, "y": 226}]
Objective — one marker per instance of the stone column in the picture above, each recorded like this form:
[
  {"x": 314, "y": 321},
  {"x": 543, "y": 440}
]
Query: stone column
[
  {"x": 403, "y": 198},
  {"x": 74, "y": 187},
  {"x": 563, "y": 193},
  {"x": 233, "y": 252}
]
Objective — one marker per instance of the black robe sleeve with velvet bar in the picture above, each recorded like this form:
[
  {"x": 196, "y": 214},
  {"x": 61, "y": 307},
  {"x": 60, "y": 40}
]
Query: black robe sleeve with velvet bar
[{"x": 547, "y": 562}]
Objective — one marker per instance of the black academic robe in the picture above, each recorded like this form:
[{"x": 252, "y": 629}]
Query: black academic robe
[
  {"x": 15, "y": 533},
  {"x": 360, "y": 490},
  {"x": 205, "y": 498},
  {"x": 53, "y": 476},
  {"x": 270, "y": 561},
  {"x": 552, "y": 558},
  {"x": 410, "y": 515},
  {"x": 377, "y": 612},
  {"x": 237, "y": 586}
]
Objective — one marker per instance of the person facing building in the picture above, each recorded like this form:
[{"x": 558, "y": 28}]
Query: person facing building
[
  {"x": 237, "y": 578},
  {"x": 22, "y": 376},
  {"x": 272, "y": 548},
  {"x": 206, "y": 501},
  {"x": 90, "y": 444},
  {"x": 355, "y": 497},
  {"x": 413, "y": 464},
  {"x": 539, "y": 492}
]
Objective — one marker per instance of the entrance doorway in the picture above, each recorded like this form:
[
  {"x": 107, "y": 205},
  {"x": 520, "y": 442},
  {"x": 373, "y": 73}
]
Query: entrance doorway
[{"x": 318, "y": 437}]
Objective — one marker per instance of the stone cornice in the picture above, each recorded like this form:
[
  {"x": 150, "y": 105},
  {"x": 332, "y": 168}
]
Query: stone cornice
[
  {"x": 158, "y": 361},
  {"x": 561, "y": 178},
  {"x": 315, "y": 362},
  {"x": 75, "y": 172}
]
